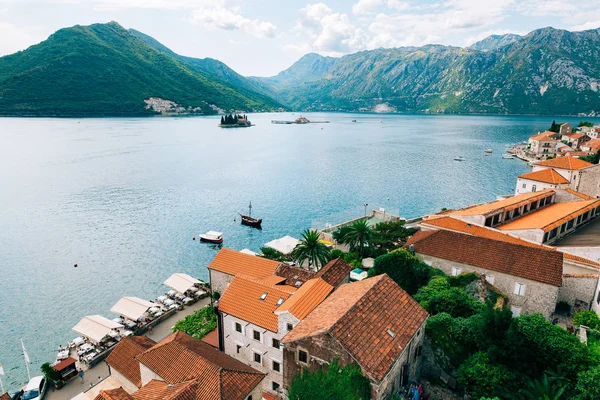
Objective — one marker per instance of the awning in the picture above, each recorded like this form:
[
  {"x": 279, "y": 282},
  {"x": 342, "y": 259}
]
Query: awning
[
  {"x": 65, "y": 364},
  {"x": 181, "y": 282},
  {"x": 95, "y": 327},
  {"x": 131, "y": 307},
  {"x": 285, "y": 245}
]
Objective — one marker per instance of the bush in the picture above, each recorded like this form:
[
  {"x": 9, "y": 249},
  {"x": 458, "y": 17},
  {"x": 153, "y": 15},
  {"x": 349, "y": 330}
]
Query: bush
[
  {"x": 588, "y": 385},
  {"x": 482, "y": 377},
  {"x": 462, "y": 280},
  {"x": 272, "y": 254},
  {"x": 406, "y": 270},
  {"x": 333, "y": 382},
  {"x": 439, "y": 296},
  {"x": 336, "y": 253},
  {"x": 198, "y": 324},
  {"x": 587, "y": 318}
]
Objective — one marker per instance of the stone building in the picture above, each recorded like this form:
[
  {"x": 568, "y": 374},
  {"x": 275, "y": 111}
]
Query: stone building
[
  {"x": 255, "y": 315},
  {"x": 373, "y": 323},
  {"x": 179, "y": 367},
  {"x": 543, "y": 145},
  {"x": 529, "y": 276},
  {"x": 565, "y": 129}
]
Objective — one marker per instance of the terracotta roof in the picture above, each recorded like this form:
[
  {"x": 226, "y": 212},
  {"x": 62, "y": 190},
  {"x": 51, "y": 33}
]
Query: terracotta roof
[
  {"x": 242, "y": 300},
  {"x": 504, "y": 204},
  {"x": 269, "y": 396},
  {"x": 594, "y": 144},
  {"x": 545, "y": 175},
  {"x": 577, "y": 135},
  {"x": 122, "y": 358},
  {"x": 272, "y": 280},
  {"x": 180, "y": 358},
  {"x": 579, "y": 154},
  {"x": 334, "y": 272},
  {"x": 580, "y": 275},
  {"x": 309, "y": 296},
  {"x": 212, "y": 338},
  {"x": 570, "y": 163},
  {"x": 537, "y": 264},
  {"x": 578, "y": 194},
  {"x": 113, "y": 394},
  {"x": 294, "y": 276},
  {"x": 233, "y": 263},
  {"x": 5, "y": 396},
  {"x": 458, "y": 225},
  {"x": 551, "y": 216},
  {"x": 544, "y": 136},
  {"x": 159, "y": 390},
  {"x": 359, "y": 316}
]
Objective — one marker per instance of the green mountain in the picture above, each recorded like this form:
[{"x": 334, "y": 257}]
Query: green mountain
[
  {"x": 548, "y": 71},
  {"x": 495, "y": 42},
  {"x": 104, "y": 69}
]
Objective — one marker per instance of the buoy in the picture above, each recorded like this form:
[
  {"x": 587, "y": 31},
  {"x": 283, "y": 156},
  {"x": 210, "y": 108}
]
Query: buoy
[
  {"x": 75, "y": 265},
  {"x": 194, "y": 238}
]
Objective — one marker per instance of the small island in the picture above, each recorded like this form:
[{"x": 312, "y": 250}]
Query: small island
[{"x": 235, "y": 121}]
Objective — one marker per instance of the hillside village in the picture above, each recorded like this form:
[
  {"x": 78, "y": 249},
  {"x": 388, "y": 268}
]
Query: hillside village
[{"x": 464, "y": 303}]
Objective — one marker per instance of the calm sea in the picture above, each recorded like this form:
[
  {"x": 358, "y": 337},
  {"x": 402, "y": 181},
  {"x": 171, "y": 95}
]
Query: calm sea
[{"x": 122, "y": 198}]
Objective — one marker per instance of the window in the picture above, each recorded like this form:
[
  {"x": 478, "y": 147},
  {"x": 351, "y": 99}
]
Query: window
[
  {"x": 276, "y": 366},
  {"x": 456, "y": 271},
  {"x": 302, "y": 356},
  {"x": 249, "y": 397},
  {"x": 290, "y": 327},
  {"x": 275, "y": 386},
  {"x": 524, "y": 186},
  {"x": 279, "y": 302},
  {"x": 490, "y": 279},
  {"x": 275, "y": 343},
  {"x": 257, "y": 358},
  {"x": 520, "y": 289},
  {"x": 256, "y": 335},
  {"x": 570, "y": 223},
  {"x": 263, "y": 296},
  {"x": 238, "y": 327},
  {"x": 516, "y": 311},
  {"x": 238, "y": 348},
  {"x": 533, "y": 188}
]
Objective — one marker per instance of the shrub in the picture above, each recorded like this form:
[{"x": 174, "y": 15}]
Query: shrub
[
  {"x": 439, "y": 296},
  {"x": 482, "y": 377},
  {"x": 198, "y": 324},
  {"x": 587, "y": 318},
  {"x": 406, "y": 270},
  {"x": 588, "y": 385},
  {"x": 336, "y": 253}
]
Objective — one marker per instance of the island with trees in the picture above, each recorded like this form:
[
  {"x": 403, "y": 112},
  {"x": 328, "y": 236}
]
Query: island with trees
[{"x": 235, "y": 121}]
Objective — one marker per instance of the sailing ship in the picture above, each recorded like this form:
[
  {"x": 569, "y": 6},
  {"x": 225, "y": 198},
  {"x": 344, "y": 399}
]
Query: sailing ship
[{"x": 249, "y": 221}]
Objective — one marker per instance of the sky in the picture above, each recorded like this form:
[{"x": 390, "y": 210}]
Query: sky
[{"x": 264, "y": 37}]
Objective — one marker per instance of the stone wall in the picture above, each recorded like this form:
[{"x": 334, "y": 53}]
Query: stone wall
[
  {"x": 589, "y": 181},
  {"x": 538, "y": 297},
  {"x": 578, "y": 287},
  {"x": 249, "y": 346},
  {"x": 219, "y": 281},
  {"x": 148, "y": 375},
  {"x": 126, "y": 384}
]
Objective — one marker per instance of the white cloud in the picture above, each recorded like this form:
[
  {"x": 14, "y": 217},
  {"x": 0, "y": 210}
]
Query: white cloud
[
  {"x": 329, "y": 32},
  {"x": 368, "y": 6},
  {"x": 217, "y": 15},
  {"x": 14, "y": 38}
]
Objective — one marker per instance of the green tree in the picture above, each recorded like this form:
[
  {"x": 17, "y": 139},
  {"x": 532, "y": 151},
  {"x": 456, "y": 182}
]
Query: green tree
[
  {"x": 333, "y": 382},
  {"x": 544, "y": 388},
  {"x": 585, "y": 123},
  {"x": 592, "y": 158},
  {"x": 587, "y": 318},
  {"x": 199, "y": 324},
  {"x": 405, "y": 269},
  {"x": 390, "y": 235},
  {"x": 438, "y": 296},
  {"x": 554, "y": 127},
  {"x": 272, "y": 254},
  {"x": 311, "y": 249},
  {"x": 588, "y": 385},
  {"x": 50, "y": 373},
  {"x": 482, "y": 377},
  {"x": 357, "y": 236}
]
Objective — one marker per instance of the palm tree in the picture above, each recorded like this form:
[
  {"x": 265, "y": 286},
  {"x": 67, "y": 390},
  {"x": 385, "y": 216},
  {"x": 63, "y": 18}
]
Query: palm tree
[
  {"x": 358, "y": 236},
  {"x": 545, "y": 388},
  {"x": 311, "y": 249}
]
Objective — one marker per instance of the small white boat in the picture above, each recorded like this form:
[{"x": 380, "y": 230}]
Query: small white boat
[
  {"x": 489, "y": 151},
  {"x": 212, "y": 237},
  {"x": 461, "y": 158},
  {"x": 507, "y": 156}
]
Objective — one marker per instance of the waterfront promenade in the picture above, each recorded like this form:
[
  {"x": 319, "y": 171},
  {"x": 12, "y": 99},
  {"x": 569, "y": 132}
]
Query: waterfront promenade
[{"x": 161, "y": 331}]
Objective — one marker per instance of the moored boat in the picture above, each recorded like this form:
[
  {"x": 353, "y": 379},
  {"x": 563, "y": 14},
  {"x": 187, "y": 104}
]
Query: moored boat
[
  {"x": 460, "y": 158},
  {"x": 507, "y": 156},
  {"x": 249, "y": 221},
  {"x": 212, "y": 237},
  {"x": 488, "y": 151}
]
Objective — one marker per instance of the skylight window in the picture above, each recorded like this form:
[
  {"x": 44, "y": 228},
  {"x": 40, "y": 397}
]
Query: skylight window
[
  {"x": 391, "y": 333},
  {"x": 280, "y": 301},
  {"x": 263, "y": 296}
]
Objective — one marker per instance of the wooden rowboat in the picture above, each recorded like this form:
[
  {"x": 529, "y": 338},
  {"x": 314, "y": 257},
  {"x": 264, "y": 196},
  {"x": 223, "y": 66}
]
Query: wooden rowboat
[{"x": 249, "y": 221}]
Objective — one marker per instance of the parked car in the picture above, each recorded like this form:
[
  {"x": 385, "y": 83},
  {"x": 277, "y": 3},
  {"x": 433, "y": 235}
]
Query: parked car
[
  {"x": 17, "y": 395},
  {"x": 35, "y": 389}
]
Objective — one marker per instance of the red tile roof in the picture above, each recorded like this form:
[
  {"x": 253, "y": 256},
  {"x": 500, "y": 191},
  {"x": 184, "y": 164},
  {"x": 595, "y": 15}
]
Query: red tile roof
[
  {"x": 334, "y": 272},
  {"x": 269, "y": 396},
  {"x": 113, "y": 394},
  {"x": 242, "y": 300},
  {"x": 159, "y": 390},
  {"x": 64, "y": 364},
  {"x": 180, "y": 358},
  {"x": 309, "y": 296},
  {"x": 122, "y": 358},
  {"x": 233, "y": 263},
  {"x": 212, "y": 338},
  {"x": 458, "y": 225},
  {"x": 528, "y": 262},
  {"x": 566, "y": 162},
  {"x": 593, "y": 144},
  {"x": 544, "y": 136},
  {"x": 545, "y": 175},
  {"x": 359, "y": 315},
  {"x": 294, "y": 276}
]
